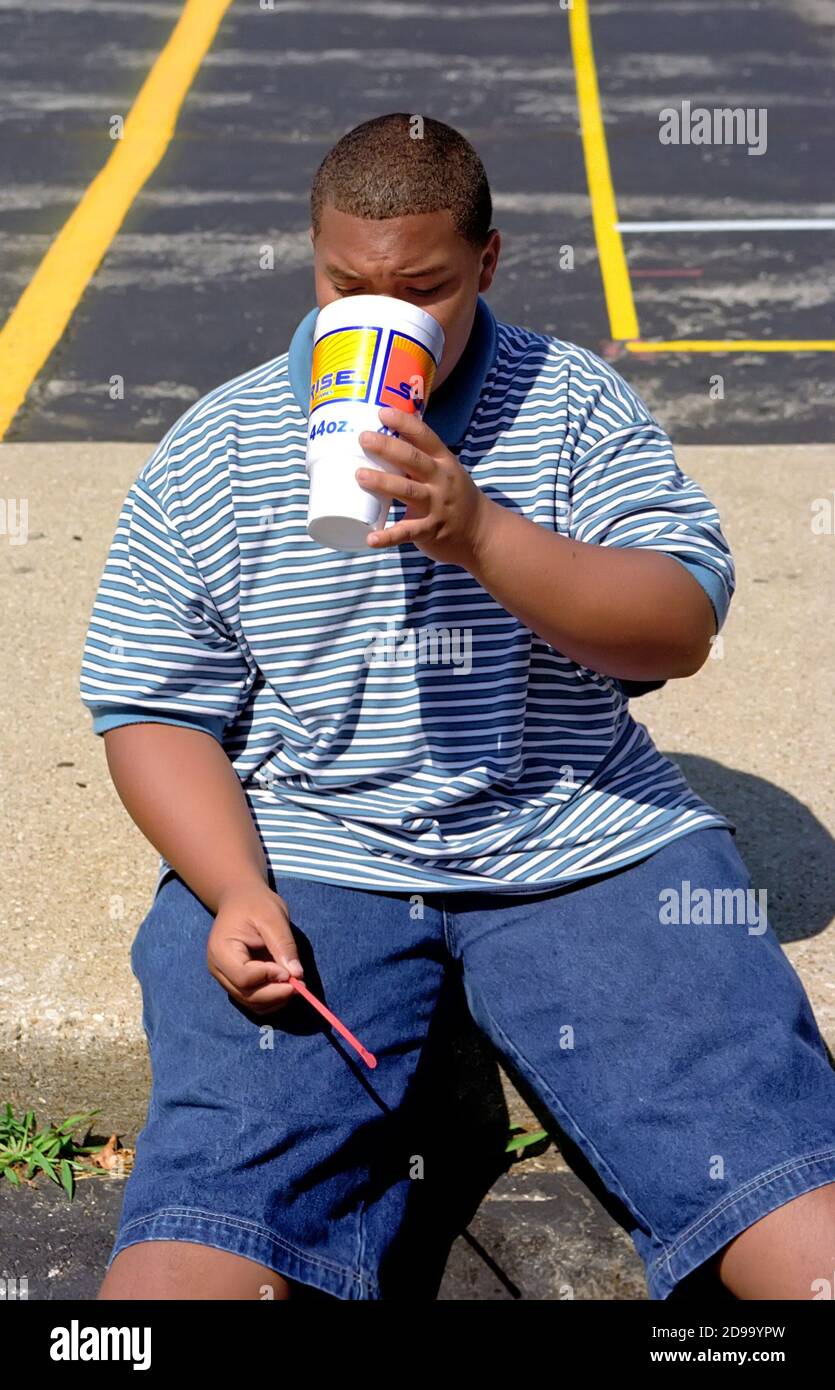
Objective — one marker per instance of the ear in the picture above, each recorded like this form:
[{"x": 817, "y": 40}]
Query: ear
[{"x": 490, "y": 259}]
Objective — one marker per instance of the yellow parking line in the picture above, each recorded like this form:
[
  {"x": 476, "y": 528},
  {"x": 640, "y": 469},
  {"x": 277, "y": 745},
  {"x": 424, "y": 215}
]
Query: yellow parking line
[
  {"x": 50, "y": 299},
  {"x": 623, "y": 321},
  {"x": 735, "y": 345}
]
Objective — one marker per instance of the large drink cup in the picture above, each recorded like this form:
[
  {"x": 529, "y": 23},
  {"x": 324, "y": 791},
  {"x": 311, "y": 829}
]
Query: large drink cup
[{"x": 368, "y": 350}]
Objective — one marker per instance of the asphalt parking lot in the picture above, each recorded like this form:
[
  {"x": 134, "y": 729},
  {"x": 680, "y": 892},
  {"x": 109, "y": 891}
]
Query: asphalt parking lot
[{"x": 180, "y": 301}]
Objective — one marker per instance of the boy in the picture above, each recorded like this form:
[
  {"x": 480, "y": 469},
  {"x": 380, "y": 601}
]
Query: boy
[{"x": 375, "y": 826}]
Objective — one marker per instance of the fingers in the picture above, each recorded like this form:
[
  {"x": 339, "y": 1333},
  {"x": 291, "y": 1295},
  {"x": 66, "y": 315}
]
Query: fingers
[
  {"x": 405, "y": 455},
  {"x": 266, "y": 999},
  {"x": 401, "y": 533},
  {"x": 233, "y": 948},
  {"x": 406, "y": 489},
  {"x": 412, "y": 426},
  {"x": 279, "y": 941},
  {"x": 251, "y": 952}
]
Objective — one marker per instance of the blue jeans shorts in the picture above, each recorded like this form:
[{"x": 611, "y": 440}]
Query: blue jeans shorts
[{"x": 680, "y": 1056}]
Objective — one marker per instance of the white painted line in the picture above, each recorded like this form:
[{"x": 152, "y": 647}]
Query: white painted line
[{"x": 754, "y": 224}]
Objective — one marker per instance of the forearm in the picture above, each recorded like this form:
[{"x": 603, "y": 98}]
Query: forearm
[
  {"x": 183, "y": 793},
  {"x": 635, "y": 614}
]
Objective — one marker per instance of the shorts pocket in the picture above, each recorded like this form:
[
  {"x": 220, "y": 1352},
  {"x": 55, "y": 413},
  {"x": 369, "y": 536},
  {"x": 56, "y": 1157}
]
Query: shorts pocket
[{"x": 138, "y": 950}]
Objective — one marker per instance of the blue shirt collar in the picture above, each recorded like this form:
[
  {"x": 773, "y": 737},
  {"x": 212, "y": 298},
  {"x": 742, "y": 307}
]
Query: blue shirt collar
[{"x": 451, "y": 407}]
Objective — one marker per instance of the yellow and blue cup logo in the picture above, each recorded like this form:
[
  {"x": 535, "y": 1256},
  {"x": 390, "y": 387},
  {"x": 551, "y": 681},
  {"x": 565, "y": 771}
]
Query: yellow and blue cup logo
[
  {"x": 344, "y": 362},
  {"x": 343, "y": 365}
]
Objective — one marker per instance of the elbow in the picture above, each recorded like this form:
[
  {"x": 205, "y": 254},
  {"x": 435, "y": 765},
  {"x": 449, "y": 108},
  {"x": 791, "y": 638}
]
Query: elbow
[
  {"x": 688, "y": 668},
  {"x": 692, "y": 658},
  {"x": 694, "y": 630}
]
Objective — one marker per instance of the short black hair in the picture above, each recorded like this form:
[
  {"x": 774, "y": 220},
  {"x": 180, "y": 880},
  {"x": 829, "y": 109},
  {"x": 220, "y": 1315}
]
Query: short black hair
[{"x": 400, "y": 164}]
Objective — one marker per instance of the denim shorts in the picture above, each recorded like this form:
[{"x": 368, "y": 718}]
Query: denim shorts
[{"x": 679, "y": 1055}]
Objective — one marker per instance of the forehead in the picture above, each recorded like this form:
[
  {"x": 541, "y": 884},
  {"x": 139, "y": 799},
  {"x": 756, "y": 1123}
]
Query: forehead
[{"x": 396, "y": 242}]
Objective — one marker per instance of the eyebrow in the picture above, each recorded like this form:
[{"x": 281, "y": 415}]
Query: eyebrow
[{"x": 408, "y": 274}]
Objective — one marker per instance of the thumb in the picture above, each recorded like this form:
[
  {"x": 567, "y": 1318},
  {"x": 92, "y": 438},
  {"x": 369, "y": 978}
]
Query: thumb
[{"x": 279, "y": 941}]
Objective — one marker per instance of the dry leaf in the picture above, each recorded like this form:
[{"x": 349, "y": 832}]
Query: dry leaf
[{"x": 106, "y": 1157}]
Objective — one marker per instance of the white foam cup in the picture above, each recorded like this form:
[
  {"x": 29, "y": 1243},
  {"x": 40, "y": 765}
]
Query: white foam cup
[{"x": 368, "y": 350}]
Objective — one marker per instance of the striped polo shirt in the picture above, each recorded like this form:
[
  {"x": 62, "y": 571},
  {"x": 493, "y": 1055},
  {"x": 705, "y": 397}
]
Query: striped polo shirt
[{"x": 393, "y": 726}]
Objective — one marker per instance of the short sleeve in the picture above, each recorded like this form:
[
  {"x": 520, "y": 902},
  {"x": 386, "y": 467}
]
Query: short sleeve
[
  {"x": 157, "y": 648},
  {"x": 628, "y": 490}
]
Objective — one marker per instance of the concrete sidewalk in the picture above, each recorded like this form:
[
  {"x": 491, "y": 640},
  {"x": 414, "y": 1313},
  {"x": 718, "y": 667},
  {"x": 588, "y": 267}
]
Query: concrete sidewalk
[{"x": 752, "y": 731}]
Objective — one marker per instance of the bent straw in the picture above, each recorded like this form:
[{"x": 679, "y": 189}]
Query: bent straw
[{"x": 366, "y": 1056}]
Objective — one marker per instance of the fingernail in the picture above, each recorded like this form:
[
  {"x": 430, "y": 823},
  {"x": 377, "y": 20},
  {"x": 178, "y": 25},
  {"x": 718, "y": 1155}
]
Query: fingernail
[{"x": 295, "y": 966}]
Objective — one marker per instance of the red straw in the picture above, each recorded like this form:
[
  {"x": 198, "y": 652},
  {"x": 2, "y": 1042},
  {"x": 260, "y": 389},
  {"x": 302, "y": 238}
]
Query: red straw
[{"x": 366, "y": 1056}]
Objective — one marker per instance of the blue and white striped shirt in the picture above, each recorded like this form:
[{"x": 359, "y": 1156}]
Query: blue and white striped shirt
[{"x": 482, "y": 758}]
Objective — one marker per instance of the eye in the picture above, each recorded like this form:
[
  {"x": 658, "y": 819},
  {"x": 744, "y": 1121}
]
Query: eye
[{"x": 420, "y": 294}]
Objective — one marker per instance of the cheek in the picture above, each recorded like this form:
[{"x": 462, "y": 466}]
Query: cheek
[
  {"x": 455, "y": 340},
  {"x": 324, "y": 290},
  {"x": 456, "y": 323},
  {"x": 325, "y": 294}
]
